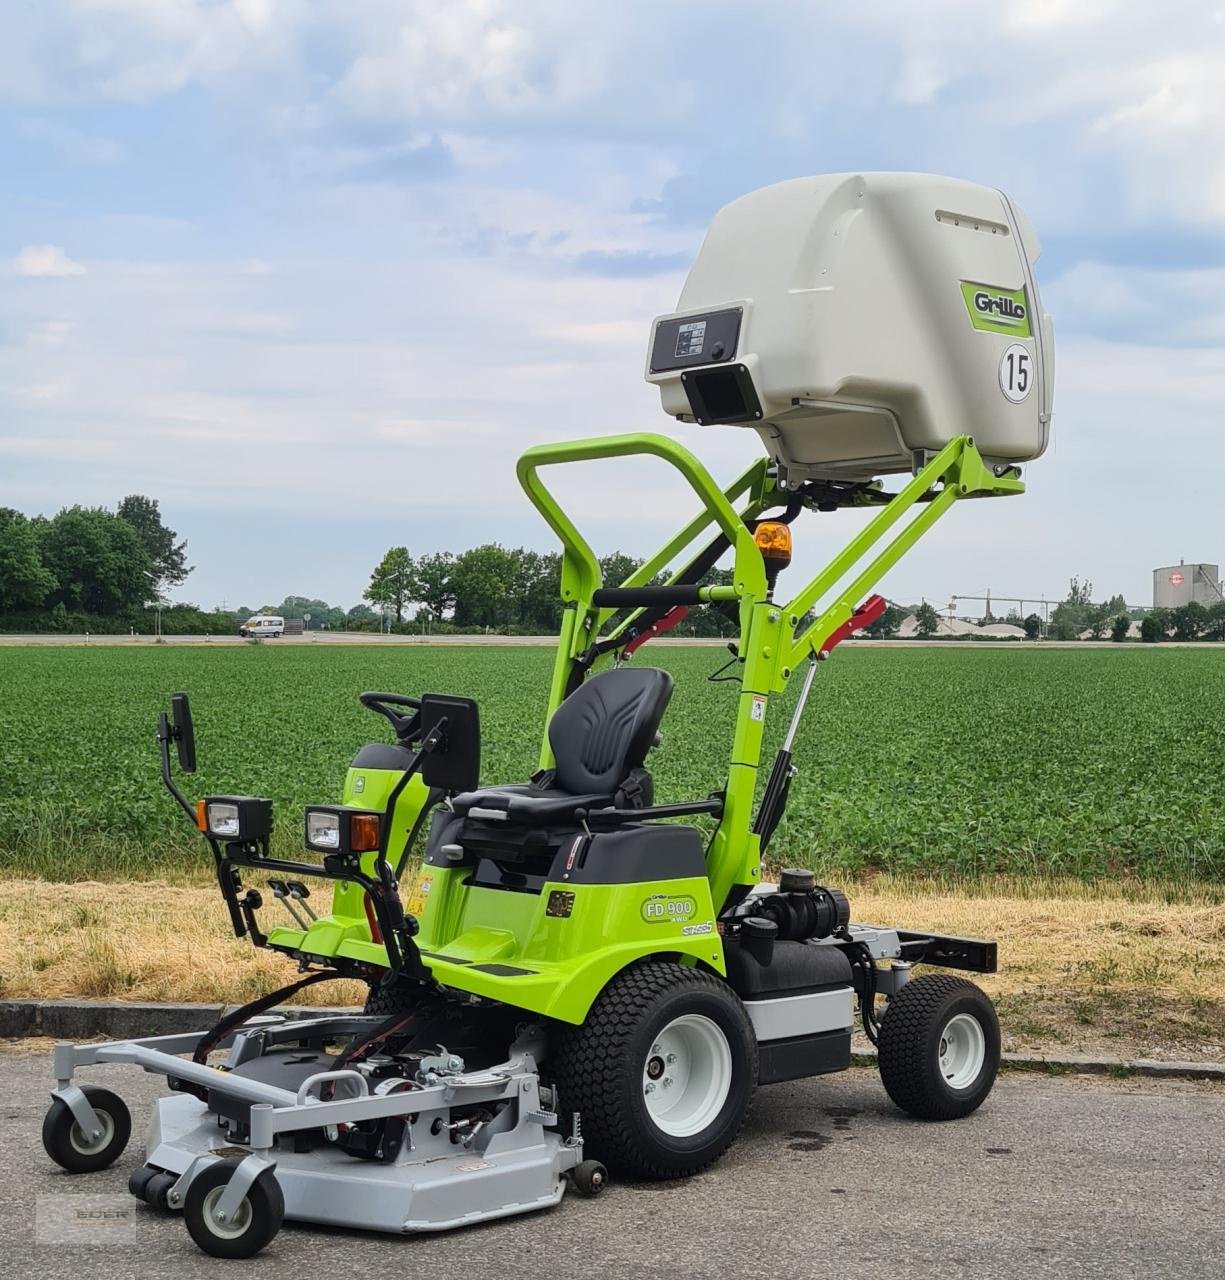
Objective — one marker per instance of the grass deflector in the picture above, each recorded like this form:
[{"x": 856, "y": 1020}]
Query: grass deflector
[{"x": 576, "y": 967}]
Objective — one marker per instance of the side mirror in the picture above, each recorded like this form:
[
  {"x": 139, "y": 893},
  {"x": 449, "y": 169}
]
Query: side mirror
[
  {"x": 455, "y": 763},
  {"x": 184, "y": 733}
]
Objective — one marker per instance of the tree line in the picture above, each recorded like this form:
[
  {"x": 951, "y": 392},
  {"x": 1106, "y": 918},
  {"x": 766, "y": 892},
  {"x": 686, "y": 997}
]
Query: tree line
[
  {"x": 501, "y": 588},
  {"x": 88, "y": 562}
]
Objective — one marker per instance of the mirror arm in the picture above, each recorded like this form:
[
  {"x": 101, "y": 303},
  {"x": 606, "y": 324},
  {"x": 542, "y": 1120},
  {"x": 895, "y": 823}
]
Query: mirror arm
[{"x": 164, "y": 738}]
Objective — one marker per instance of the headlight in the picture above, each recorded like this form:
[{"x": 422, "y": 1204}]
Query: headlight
[
  {"x": 235, "y": 818},
  {"x": 340, "y": 829},
  {"x": 223, "y": 820},
  {"x": 322, "y": 829}
]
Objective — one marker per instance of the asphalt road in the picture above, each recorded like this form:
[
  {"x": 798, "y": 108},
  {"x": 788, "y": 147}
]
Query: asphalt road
[{"x": 1055, "y": 1176}]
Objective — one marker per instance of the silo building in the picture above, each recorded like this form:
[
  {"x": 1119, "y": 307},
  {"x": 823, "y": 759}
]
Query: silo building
[{"x": 1180, "y": 584}]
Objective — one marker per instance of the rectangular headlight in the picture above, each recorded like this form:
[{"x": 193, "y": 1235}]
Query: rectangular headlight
[
  {"x": 322, "y": 829},
  {"x": 341, "y": 829},
  {"x": 223, "y": 819},
  {"x": 232, "y": 818}
]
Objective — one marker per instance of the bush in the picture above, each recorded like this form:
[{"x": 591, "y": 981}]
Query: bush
[
  {"x": 1119, "y": 628},
  {"x": 177, "y": 620}
]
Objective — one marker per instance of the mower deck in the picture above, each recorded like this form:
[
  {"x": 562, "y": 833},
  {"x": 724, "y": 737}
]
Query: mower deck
[{"x": 437, "y": 1165}]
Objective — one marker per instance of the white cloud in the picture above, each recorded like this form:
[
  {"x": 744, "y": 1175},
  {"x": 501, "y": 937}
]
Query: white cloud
[
  {"x": 46, "y": 260},
  {"x": 73, "y": 144}
]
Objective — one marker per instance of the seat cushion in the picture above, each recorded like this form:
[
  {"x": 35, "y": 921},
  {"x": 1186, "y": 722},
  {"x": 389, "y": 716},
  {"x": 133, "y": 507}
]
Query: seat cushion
[{"x": 527, "y": 803}]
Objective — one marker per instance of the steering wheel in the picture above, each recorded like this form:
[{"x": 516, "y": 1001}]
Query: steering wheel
[{"x": 405, "y": 727}]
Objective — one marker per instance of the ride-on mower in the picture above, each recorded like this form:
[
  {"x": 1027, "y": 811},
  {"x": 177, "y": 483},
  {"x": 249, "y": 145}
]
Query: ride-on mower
[{"x": 579, "y": 973}]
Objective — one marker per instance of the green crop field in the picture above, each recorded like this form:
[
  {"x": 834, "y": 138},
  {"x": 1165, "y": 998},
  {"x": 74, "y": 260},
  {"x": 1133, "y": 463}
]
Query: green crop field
[{"x": 938, "y": 760}]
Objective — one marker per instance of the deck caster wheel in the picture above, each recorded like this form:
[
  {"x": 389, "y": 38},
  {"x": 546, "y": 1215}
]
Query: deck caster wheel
[
  {"x": 245, "y": 1232},
  {"x": 661, "y": 1070},
  {"x": 157, "y": 1190},
  {"x": 589, "y": 1178},
  {"x": 77, "y": 1151},
  {"x": 140, "y": 1179},
  {"x": 939, "y": 1047}
]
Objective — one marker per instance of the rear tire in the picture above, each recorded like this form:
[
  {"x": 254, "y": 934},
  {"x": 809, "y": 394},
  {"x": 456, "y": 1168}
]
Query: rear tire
[
  {"x": 939, "y": 1047},
  {"x": 78, "y": 1152},
  {"x": 661, "y": 1072}
]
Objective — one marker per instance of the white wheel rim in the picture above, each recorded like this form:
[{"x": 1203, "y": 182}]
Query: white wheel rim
[
  {"x": 232, "y": 1229},
  {"x": 963, "y": 1050},
  {"x": 687, "y": 1075},
  {"x": 87, "y": 1146}
]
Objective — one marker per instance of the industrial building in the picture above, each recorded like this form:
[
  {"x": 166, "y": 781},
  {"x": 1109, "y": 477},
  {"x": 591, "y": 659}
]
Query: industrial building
[{"x": 1180, "y": 584}]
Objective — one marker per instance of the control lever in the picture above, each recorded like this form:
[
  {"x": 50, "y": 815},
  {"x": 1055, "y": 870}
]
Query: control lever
[{"x": 282, "y": 893}]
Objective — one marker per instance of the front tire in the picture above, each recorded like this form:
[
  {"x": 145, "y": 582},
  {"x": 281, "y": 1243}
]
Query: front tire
[
  {"x": 78, "y": 1152},
  {"x": 939, "y": 1047},
  {"x": 247, "y": 1231},
  {"x": 661, "y": 1072}
]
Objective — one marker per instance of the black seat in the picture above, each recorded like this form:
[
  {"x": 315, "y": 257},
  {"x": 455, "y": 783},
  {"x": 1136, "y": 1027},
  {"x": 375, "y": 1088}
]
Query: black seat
[{"x": 600, "y": 736}]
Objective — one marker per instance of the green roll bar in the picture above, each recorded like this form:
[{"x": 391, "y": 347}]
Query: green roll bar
[{"x": 774, "y": 638}]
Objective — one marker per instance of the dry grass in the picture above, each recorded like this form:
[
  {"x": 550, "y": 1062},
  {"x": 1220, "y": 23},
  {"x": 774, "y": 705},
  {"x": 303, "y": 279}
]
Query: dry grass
[{"x": 1132, "y": 970}]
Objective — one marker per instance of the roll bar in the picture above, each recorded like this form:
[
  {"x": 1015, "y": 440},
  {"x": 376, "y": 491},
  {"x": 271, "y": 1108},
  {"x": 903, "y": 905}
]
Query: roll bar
[{"x": 774, "y": 638}]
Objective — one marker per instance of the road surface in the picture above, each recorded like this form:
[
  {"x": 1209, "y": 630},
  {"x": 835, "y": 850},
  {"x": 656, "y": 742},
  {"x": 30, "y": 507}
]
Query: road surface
[{"x": 1055, "y": 1176}]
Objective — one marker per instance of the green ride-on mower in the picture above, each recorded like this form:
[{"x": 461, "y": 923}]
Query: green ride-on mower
[{"x": 581, "y": 976}]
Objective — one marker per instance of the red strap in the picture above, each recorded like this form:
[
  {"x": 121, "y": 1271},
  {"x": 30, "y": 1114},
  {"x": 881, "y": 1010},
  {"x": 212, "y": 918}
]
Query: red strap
[
  {"x": 673, "y": 618},
  {"x": 864, "y": 616}
]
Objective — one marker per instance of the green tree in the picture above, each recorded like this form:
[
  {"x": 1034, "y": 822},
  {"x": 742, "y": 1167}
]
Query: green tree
[
  {"x": 361, "y": 615},
  {"x": 537, "y": 588},
  {"x": 24, "y": 581},
  {"x": 616, "y": 567},
  {"x": 98, "y": 560},
  {"x": 484, "y": 582},
  {"x": 1033, "y": 626},
  {"x": 391, "y": 584},
  {"x": 927, "y": 620},
  {"x": 887, "y": 624},
  {"x": 1215, "y": 627},
  {"x": 168, "y": 557},
  {"x": 432, "y": 584},
  {"x": 1155, "y": 625},
  {"x": 1189, "y": 621},
  {"x": 1075, "y": 612},
  {"x": 1119, "y": 628}
]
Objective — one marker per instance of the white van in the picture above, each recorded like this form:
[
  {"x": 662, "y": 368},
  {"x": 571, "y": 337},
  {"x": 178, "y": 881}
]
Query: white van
[{"x": 262, "y": 624}]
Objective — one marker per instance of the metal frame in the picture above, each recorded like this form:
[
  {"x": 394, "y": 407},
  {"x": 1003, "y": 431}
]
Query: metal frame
[
  {"x": 774, "y": 637},
  {"x": 523, "y": 1148}
]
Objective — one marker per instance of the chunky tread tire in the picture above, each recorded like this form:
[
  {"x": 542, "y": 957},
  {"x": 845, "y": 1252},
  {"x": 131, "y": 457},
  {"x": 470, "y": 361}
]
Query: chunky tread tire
[
  {"x": 267, "y": 1207},
  {"x": 909, "y": 1048},
  {"x": 597, "y": 1068},
  {"x": 59, "y": 1124}
]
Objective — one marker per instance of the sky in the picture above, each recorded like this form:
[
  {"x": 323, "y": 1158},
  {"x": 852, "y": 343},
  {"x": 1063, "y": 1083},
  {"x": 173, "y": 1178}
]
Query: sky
[{"x": 313, "y": 273}]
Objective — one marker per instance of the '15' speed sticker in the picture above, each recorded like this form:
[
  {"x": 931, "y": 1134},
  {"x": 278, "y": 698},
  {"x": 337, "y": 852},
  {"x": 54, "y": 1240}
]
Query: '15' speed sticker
[{"x": 1016, "y": 372}]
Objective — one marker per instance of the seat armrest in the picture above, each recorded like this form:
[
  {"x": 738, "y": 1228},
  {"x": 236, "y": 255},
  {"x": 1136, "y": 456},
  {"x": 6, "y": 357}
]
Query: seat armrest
[{"x": 607, "y": 819}]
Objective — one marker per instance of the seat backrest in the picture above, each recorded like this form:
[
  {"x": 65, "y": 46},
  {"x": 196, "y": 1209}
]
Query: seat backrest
[{"x": 606, "y": 727}]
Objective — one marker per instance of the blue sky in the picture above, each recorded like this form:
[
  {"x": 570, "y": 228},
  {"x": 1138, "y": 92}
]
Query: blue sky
[{"x": 313, "y": 273}]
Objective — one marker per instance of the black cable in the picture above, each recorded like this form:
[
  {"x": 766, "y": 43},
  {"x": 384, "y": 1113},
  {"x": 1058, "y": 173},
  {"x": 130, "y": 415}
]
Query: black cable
[{"x": 867, "y": 992}]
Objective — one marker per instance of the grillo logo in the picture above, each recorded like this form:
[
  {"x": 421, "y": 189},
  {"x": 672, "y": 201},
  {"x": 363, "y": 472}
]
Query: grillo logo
[{"x": 1002, "y": 308}]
